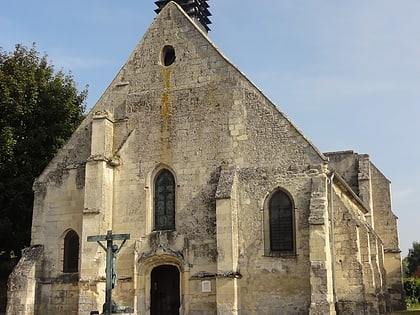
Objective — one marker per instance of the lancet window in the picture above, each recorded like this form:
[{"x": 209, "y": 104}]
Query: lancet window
[
  {"x": 164, "y": 201},
  {"x": 71, "y": 252},
  {"x": 281, "y": 232}
]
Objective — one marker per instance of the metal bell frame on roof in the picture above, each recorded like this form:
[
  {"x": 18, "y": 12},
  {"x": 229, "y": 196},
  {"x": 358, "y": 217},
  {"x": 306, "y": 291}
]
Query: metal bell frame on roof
[{"x": 197, "y": 9}]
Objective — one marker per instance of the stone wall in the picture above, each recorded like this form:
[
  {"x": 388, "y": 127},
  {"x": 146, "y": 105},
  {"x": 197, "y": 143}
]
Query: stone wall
[
  {"x": 387, "y": 228},
  {"x": 23, "y": 284},
  {"x": 61, "y": 294},
  {"x": 229, "y": 148},
  {"x": 373, "y": 188},
  {"x": 358, "y": 275}
]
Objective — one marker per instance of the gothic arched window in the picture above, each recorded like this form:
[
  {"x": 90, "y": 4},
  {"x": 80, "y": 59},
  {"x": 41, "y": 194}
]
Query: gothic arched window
[
  {"x": 280, "y": 223},
  {"x": 164, "y": 201},
  {"x": 71, "y": 252}
]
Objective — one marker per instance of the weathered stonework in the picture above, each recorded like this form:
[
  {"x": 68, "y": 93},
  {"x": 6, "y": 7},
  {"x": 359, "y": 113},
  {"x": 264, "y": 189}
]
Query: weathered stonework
[
  {"x": 23, "y": 282},
  {"x": 229, "y": 150}
]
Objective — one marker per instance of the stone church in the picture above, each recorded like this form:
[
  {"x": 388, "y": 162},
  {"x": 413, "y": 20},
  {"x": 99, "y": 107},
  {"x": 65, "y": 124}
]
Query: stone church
[{"x": 230, "y": 209}]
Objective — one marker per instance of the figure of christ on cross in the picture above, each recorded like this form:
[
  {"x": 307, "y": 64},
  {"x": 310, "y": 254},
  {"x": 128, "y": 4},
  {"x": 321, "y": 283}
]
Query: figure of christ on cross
[{"x": 112, "y": 251}]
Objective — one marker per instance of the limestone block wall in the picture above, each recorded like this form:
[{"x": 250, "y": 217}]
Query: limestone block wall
[
  {"x": 228, "y": 298},
  {"x": 374, "y": 189},
  {"x": 97, "y": 210},
  {"x": 228, "y": 148},
  {"x": 193, "y": 117},
  {"x": 387, "y": 228},
  {"x": 58, "y": 208},
  {"x": 22, "y": 283},
  {"x": 58, "y": 296},
  {"x": 321, "y": 254},
  {"x": 385, "y": 219},
  {"x": 30, "y": 292},
  {"x": 267, "y": 279},
  {"x": 346, "y": 164},
  {"x": 274, "y": 277},
  {"x": 359, "y": 268},
  {"x": 350, "y": 289}
]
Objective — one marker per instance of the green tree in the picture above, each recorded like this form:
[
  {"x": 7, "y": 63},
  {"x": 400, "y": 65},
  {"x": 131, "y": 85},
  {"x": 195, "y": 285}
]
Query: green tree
[
  {"x": 40, "y": 109},
  {"x": 413, "y": 260}
]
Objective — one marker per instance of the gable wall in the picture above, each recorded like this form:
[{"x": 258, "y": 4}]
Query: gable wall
[{"x": 195, "y": 117}]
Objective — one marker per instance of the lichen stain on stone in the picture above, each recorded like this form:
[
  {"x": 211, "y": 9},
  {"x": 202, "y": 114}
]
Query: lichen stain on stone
[
  {"x": 166, "y": 74},
  {"x": 166, "y": 107},
  {"x": 165, "y": 150},
  {"x": 166, "y": 101}
]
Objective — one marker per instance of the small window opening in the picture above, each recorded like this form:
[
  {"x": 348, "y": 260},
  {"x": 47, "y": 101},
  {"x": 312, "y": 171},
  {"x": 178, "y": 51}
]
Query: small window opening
[
  {"x": 71, "y": 252},
  {"x": 168, "y": 55}
]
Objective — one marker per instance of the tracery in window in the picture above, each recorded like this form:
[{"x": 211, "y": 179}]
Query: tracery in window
[
  {"x": 71, "y": 252},
  {"x": 164, "y": 201}
]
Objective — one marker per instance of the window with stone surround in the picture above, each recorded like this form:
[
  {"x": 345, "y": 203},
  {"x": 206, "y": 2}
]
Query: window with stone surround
[
  {"x": 279, "y": 224},
  {"x": 164, "y": 201},
  {"x": 71, "y": 252}
]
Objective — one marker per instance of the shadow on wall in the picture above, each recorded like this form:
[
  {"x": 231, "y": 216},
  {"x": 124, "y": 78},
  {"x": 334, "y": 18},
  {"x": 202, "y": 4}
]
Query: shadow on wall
[
  {"x": 3, "y": 295},
  {"x": 6, "y": 266}
]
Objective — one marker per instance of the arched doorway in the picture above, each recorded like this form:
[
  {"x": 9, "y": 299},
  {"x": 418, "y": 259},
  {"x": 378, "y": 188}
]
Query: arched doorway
[{"x": 164, "y": 295}]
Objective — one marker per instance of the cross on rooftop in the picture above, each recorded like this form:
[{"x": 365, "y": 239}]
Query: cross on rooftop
[{"x": 197, "y": 9}]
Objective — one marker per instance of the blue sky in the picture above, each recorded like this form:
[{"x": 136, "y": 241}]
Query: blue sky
[{"x": 346, "y": 72}]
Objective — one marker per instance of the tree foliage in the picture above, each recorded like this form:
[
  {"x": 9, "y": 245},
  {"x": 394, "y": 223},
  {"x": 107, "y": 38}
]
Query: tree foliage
[
  {"x": 413, "y": 261},
  {"x": 412, "y": 291},
  {"x": 40, "y": 109}
]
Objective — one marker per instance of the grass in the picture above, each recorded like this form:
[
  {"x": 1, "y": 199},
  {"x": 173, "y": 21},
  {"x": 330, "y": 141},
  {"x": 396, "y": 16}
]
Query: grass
[{"x": 411, "y": 312}]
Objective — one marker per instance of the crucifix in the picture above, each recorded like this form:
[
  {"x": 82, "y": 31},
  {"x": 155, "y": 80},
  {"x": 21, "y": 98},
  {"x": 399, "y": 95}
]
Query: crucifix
[{"x": 111, "y": 250}]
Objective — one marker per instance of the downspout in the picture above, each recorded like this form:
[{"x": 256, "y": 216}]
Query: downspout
[{"x": 333, "y": 251}]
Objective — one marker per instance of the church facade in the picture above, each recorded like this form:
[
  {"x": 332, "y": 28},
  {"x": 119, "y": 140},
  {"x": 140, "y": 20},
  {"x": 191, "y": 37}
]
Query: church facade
[{"x": 229, "y": 207}]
